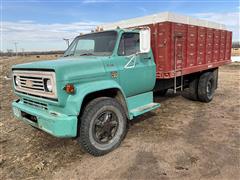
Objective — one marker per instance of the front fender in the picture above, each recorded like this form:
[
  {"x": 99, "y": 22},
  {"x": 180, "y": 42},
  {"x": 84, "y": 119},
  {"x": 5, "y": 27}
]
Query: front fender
[{"x": 74, "y": 102}]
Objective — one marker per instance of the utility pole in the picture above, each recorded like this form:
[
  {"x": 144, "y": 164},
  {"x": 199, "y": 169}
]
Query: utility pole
[
  {"x": 16, "y": 50},
  {"x": 67, "y": 41},
  {"x": 22, "y": 51}
]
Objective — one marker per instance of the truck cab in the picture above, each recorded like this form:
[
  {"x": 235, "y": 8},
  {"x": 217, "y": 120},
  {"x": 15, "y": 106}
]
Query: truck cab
[{"x": 102, "y": 80}]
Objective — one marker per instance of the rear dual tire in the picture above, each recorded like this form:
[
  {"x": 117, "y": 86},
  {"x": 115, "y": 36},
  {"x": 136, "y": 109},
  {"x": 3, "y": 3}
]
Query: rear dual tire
[
  {"x": 202, "y": 88},
  {"x": 192, "y": 91},
  {"x": 206, "y": 87}
]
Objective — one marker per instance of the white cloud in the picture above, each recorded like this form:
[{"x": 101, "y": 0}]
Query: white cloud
[
  {"x": 35, "y": 36},
  {"x": 231, "y": 20},
  {"x": 31, "y": 35}
]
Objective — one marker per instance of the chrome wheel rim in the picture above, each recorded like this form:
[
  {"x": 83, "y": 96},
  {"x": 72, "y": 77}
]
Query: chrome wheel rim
[
  {"x": 210, "y": 89},
  {"x": 105, "y": 127}
]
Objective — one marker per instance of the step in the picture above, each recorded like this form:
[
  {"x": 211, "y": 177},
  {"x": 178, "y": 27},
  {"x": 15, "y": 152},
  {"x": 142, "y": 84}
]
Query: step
[
  {"x": 178, "y": 87},
  {"x": 143, "y": 109}
]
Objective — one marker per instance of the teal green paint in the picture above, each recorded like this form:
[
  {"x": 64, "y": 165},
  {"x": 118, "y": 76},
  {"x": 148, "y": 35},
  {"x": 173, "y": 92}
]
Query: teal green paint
[
  {"x": 90, "y": 74},
  {"x": 83, "y": 90},
  {"x": 143, "y": 109},
  {"x": 73, "y": 102},
  {"x": 138, "y": 101},
  {"x": 140, "y": 78},
  {"x": 59, "y": 125}
]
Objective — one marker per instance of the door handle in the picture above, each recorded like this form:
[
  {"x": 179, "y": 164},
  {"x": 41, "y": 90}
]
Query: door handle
[{"x": 147, "y": 58}]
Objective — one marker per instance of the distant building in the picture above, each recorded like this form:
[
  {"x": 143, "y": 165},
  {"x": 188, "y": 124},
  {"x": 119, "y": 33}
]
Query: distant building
[{"x": 236, "y": 49}]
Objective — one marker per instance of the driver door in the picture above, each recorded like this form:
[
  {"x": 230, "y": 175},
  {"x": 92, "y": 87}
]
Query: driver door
[{"x": 137, "y": 71}]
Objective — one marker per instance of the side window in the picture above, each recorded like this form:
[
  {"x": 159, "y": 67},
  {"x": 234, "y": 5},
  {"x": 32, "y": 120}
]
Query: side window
[{"x": 129, "y": 44}]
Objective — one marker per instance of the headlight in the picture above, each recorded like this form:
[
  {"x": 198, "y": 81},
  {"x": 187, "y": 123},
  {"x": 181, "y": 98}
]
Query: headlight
[
  {"x": 48, "y": 85},
  {"x": 17, "y": 80}
]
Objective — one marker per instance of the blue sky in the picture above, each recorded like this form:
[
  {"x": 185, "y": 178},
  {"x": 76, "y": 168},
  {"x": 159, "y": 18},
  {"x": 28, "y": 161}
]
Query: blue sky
[{"x": 42, "y": 24}]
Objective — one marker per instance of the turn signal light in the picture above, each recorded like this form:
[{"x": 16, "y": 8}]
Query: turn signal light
[{"x": 69, "y": 88}]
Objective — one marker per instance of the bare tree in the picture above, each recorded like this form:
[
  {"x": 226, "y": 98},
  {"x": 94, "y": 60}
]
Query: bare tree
[
  {"x": 236, "y": 44},
  {"x": 23, "y": 54},
  {"x": 9, "y": 52},
  {"x": 16, "y": 50}
]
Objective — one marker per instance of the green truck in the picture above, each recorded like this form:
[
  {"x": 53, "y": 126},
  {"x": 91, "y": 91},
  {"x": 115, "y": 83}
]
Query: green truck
[{"x": 103, "y": 79}]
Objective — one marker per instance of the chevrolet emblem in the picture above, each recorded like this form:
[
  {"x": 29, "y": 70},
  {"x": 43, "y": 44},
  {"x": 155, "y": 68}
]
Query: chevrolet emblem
[{"x": 29, "y": 83}]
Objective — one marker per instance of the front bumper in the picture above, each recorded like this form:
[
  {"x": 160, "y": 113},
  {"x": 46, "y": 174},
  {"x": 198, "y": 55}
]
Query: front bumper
[{"x": 56, "y": 124}]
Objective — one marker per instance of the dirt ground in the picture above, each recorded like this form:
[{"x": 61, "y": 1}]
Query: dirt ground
[{"x": 181, "y": 140}]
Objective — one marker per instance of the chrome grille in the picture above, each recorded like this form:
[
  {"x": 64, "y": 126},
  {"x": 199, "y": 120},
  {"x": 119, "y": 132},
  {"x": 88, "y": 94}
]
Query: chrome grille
[
  {"x": 35, "y": 104},
  {"x": 33, "y": 83}
]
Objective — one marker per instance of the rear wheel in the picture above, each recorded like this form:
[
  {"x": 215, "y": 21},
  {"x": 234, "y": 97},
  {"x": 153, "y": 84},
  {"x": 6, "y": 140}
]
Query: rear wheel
[
  {"x": 192, "y": 91},
  {"x": 103, "y": 126},
  {"x": 206, "y": 87}
]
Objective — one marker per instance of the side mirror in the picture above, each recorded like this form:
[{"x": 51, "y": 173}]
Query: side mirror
[{"x": 145, "y": 40}]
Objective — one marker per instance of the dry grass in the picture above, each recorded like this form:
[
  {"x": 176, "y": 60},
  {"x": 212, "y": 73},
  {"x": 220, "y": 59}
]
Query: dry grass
[{"x": 181, "y": 140}]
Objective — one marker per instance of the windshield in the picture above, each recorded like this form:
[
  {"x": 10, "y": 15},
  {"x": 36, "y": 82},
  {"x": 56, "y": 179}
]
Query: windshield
[{"x": 95, "y": 44}]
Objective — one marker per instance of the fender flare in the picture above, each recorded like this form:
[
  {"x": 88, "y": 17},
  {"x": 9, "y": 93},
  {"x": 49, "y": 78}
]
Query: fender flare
[{"x": 82, "y": 90}]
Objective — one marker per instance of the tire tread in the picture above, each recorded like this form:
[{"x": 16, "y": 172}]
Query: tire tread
[
  {"x": 89, "y": 110},
  {"x": 202, "y": 94},
  {"x": 192, "y": 92}
]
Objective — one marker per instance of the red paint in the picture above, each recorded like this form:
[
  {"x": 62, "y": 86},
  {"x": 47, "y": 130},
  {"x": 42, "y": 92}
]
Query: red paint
[{"x": 196, "y": 48}]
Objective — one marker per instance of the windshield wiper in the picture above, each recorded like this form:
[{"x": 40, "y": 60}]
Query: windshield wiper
[
  {"x": 68, "y": 55},
  {"x": 86, "y": 54}
]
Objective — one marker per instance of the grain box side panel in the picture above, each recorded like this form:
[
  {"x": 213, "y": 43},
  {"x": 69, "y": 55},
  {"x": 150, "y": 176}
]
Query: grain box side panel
[
  {"x": 164, "y": 34},
  {"x": 201, "y": 45},
  {"x": 179, "y": 45},
  {"x": 228, "y": 45},
  {"x": 191, "y": 45},
  {"x": 197, "y": 48},
  {"x": 229, "y": 55},
  {"x": 153, "y": 30},
  {"x": 209, "y": 45},
  {"x": 222, "y": 45},
  {"x": 216, "y": 46}
]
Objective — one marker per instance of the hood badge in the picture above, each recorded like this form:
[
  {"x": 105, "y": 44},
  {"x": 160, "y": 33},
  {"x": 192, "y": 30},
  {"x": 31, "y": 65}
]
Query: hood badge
[{"x": 114, "y": 74}]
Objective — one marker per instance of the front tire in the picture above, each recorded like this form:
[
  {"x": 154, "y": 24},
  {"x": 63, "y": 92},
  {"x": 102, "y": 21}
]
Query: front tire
[{"x": 103, "y": 126}]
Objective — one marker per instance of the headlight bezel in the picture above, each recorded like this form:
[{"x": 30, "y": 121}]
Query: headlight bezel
[
  {"x": 48, "y": 85},
  {"x": 17, "y": 81}
]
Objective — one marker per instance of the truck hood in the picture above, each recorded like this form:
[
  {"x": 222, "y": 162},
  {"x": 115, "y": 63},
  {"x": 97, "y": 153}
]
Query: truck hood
[{"x": 70, "y": 68}]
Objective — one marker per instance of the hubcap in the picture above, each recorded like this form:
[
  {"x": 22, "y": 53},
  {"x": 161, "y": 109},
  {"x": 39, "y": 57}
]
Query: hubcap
[
  {"x": 105, "y": 127},
  {"x": 209, "y": 89}
]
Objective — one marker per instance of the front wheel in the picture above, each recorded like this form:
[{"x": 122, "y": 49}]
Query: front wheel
[{"x": 103, "y": 126}]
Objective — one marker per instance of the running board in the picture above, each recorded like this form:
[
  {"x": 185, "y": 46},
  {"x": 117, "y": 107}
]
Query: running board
[
  {"x": 141, "y": 103},
  {"x": 143, "y": 109}
]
